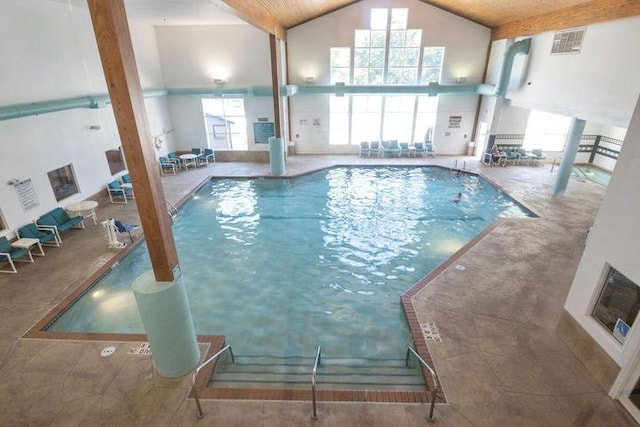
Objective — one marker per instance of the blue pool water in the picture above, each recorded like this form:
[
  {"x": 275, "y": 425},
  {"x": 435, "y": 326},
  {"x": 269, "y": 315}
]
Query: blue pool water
[{"x": 282, "y": 265}]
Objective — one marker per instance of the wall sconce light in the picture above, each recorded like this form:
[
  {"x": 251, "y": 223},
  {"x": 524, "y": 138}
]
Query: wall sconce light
[
  {"x": 13, "y": 181},
  {"x": 310, "y": 80},
  {"x": 219, "y": 82},
  {"x": 460, "y": 80},
  {"x": 95, "y": 127}
]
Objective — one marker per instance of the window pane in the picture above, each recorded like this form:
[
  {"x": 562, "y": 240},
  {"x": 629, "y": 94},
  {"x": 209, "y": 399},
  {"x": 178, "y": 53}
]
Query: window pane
[
  {"x": 433, "y": 56},
  {"x": 409, "y": 76},
  {"x": 361, "y": 57},
  {"x": 361, "y": 104},
  {"x": 413, "y": 38},
  {"x": 394, "y": 76},
  {"x": 378, "y": 38},
  {"x": 376, "y": 76},
  {"x": 397, "y": 126},
  {"x": 619, "y": 301},
  {"x": 360, "y": 76},
  {"x": 430, "y": 75},
  {"x": 362, "y": 38},
  {"x": 546, "y": 131},
  {"x": 213, "y": 107},
  {"x": 379, "y": 19},
  {"x": 376, "y": 58},
  {"x": 399, "y": 18},
  {"x": 397, "y": 38},
  {"x": 411, "y": 56},
  {"x": 396, "y": 57},
  {"x": 339, "y": 104},
  {"x": 339, "y": 75},
  {"x": 340, "y": 57}
]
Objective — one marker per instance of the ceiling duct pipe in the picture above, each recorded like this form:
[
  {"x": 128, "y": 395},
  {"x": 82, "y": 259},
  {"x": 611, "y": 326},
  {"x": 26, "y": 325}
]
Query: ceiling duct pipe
[{"x": 518, "y": 48}]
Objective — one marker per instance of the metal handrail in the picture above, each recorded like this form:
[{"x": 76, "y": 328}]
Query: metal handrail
[
  {"x": 195, "y": 374},
  {"x": 172, "y": 211},
  {"x": 314, "y": 415},
  {"x": 410, "y": 350}
]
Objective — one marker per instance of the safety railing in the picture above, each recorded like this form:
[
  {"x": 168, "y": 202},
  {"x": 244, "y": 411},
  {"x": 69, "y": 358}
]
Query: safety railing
[
  {"x": 434, "y": 392},
  {"x": 454, "y": 165},
  {"x": 314, "y": 381},
  {"x": 199, "y": 368},
  {"x": 172, "y": 211}
]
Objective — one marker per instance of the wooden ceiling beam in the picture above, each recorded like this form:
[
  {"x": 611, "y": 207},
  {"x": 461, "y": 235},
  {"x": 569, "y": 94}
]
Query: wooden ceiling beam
[
  {"x": 257, "y": 16},
  {"x": 570, "y": 17}
]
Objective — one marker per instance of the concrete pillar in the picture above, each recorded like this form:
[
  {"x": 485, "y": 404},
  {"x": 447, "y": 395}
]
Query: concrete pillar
[
  {"x": 569, "y": 156},
  {"x": 164, "y": 309}
]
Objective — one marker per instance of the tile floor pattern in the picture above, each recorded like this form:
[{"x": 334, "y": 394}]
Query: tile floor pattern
[{"x": 499, "y": 359}]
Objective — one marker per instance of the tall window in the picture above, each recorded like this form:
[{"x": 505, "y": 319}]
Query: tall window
[
  {"x": 387, "y": 53},
  {"x": 546, "y": 131},
  {"x": 226, "y": 123}
]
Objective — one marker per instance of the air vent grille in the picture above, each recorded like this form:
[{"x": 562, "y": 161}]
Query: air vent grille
[{"x": 568, "y": 41}]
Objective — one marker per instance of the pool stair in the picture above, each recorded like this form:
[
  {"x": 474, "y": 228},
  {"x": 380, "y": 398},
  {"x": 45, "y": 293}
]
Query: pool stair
[{"x": 294, "y": 372}]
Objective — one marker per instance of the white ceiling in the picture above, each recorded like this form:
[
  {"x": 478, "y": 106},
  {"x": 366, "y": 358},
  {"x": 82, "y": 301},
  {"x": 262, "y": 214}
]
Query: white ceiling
[{"x": 173, "y": 12}]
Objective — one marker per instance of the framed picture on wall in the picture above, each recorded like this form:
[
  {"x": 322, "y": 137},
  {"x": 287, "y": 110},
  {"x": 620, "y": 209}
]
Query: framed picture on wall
[{"x": 63, "y": 182}]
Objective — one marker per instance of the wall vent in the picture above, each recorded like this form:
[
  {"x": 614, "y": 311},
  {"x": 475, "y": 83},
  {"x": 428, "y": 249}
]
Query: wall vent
[{"x": 568, "y": 41}]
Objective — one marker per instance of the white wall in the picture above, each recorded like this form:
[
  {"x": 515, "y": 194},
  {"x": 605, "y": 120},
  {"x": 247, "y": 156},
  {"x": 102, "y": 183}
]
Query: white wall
[
  {"x": 600, "y": 84},
  {"x": 613, "y": 240},
  {"x": 465, "y": 42},
  {"x": 192, "y": 56},
  {"x": 50, "y": 53}
]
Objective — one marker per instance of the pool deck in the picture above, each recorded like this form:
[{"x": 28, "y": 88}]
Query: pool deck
[{"x": 496, "y": 307}]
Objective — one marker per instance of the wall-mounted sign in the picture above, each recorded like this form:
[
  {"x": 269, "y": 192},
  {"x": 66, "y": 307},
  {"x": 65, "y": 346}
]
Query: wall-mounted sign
[
  {"x": 621, "y": 330},
  {"x": 26, "y": 194},
  {"x": 262, "y": 131},
  {"x": 454, "y": 122}
]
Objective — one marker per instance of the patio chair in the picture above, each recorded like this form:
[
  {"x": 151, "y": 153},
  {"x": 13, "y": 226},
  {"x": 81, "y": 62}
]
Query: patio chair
[
  {"x": 523, "y": 156},
  {"x": 430, "y": 149},
  {"x": 390, "y": 147},
  {"x": 208, "y": 155},
  {"x": 421, "y": 150},
  {"x": 167, "y": 166},
  {"x": 510, "y": 157},
  {"x": 374, "y": 147},
  {"x": 538, "y": 155},
  {"x": 58, "y": 221},
  {"x": 404, "y": 148},
  {"x": 10, "y": 254},
  {"x": 125, "y": 228},
  {"x": 173, "y": 157},
  {"x": 126, "y": 178},
  {"x": 116, "y": 191},
  {"x": 44, "y": 235},
  {"x": 364, "y": 148}
]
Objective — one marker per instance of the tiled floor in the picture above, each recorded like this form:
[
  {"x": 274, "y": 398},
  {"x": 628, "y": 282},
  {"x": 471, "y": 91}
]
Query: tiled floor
[{"x": 499, "y": 359}]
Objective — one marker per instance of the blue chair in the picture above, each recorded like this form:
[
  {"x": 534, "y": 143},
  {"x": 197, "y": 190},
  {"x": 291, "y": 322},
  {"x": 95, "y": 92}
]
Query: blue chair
[
  {"x": 364, "y": 148},
  {"x": 523, "y": 156},
  {"x": 10, "y": 254},
  {"x": 374, "y": 147},
  {"x": 167, "y": 165},
  {"x": 538, "y": 155},
  {"x": 125, "y": 228},
  {"x": 510, "y": 157},
  {"x": 126, "y": 178},
  {"x": 420, "y": 148},
  {"x": 116, "y": 190},
  {"x": 430, "y": 149},
  {"x": 390, "y": 147},
  {"x": 46, "y": 236},
  {"x": 207, "y": 155},
  {"x": 57, "y": 221},
  {"x": 404, "y": 148}
]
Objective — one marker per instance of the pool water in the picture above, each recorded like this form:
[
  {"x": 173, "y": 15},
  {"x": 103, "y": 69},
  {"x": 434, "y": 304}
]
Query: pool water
[
  {"x": 280, "y": 266},
  {"x": 592, "y": 173}
]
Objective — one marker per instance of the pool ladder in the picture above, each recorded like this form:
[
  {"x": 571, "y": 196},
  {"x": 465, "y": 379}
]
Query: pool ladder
[
  {"x": 172, "y": 211},
  {"x": 454, "y": 165}
]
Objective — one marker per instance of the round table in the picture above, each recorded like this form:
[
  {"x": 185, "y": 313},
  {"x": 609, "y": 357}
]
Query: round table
[
  {"x": 86, "y": 208},
  {"x": 188, "y": 159}
]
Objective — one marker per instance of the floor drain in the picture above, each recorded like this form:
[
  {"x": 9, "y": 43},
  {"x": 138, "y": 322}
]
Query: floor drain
[
  {"x": 107, "y": 351},
  {"x": 460, "y": 267}
]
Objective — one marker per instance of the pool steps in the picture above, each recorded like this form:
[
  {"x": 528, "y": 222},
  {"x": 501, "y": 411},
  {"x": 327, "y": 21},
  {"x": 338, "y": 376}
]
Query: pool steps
[{"x": 333, "y": 373}]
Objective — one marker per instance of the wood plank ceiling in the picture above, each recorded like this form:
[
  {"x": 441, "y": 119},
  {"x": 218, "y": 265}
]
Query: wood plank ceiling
[{"x": 507, "y": 18}]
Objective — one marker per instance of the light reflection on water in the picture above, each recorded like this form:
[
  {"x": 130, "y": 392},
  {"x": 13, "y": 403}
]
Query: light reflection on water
[{"x": 282, "y": 265}]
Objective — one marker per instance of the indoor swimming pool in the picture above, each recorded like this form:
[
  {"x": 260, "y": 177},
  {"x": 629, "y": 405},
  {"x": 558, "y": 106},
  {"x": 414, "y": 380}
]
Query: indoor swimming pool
[
  {"x": 282, "y": 265},
  {"x": 592, "y": 173}
]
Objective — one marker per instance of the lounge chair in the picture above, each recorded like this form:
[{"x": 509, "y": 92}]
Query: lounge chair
[
  {"x": 523, "y": 156},
  {"x": 173, "y": 157},
  {"x": 420, "y": 148},
  {"x": 46, "y": 236},
  {"x": 208, "y": 155},
  {"x": 404, "y": 148},
  {"x": 390, "y": 147},
  {"x": 167, "y": 166},
  {"x": 116, "y": 190},
  {"x": 365, "y": 148},
  {"x": 510, "y": 157},
  {"x": 430, "y": 148},
  {"x": 10, "y": 254},
  {"x": 374, "y": 147},
  {"x": 126, "y": 178},
  {"x": 58, "y": 221},
  {"x": 538, "y": 155},
  {"x": 125, "y": 228}
]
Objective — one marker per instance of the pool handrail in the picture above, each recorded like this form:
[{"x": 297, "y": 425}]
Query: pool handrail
[
  {"x": 199, "y": 368},
  {"x": 314, "y": 380},
  {"x": 410, "y": 350}
]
